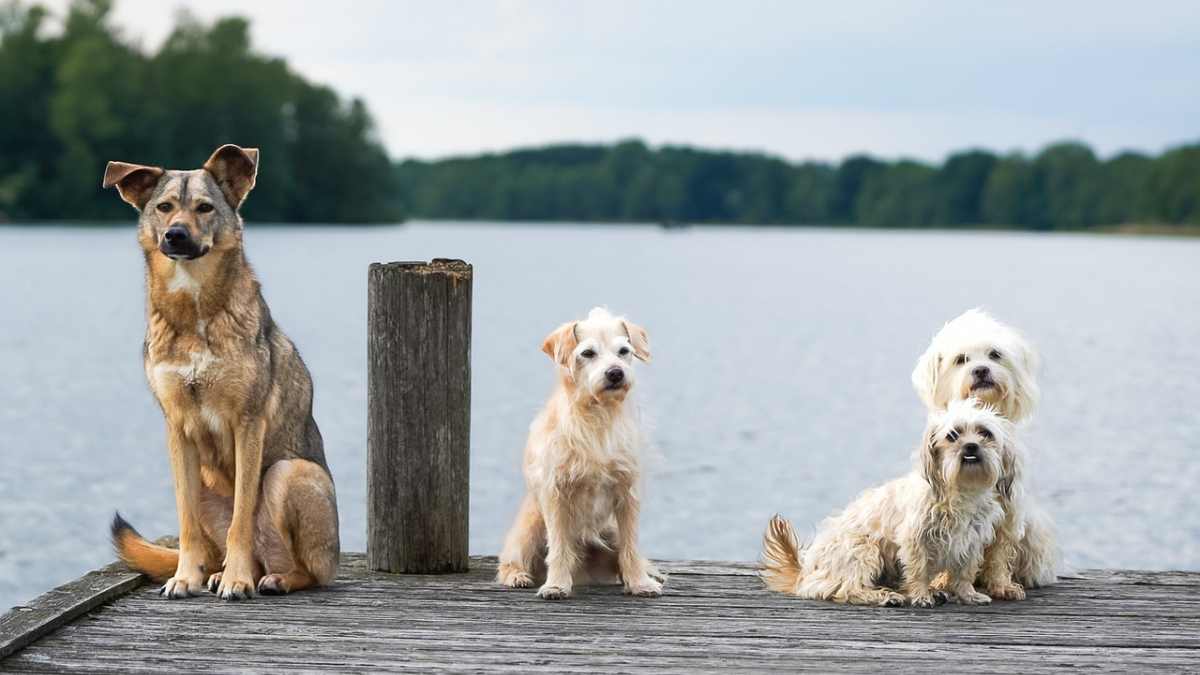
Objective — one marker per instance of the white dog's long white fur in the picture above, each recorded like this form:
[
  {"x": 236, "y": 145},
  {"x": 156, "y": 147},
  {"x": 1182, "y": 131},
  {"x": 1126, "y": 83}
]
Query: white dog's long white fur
[
  {"x": 905, "y": 532},
  {"x": 583, "y": 466},
  {"x": 977, "y": 356}
]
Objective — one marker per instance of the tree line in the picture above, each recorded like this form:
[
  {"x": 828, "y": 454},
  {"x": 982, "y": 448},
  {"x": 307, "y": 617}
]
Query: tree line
[
  {"x": 71, "y": 101},
  {"x": 1064, "y": 186}
]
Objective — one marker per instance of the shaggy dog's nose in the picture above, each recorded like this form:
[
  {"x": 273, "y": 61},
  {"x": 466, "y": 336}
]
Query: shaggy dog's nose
[
  {"x": 614, "y": 375},
  {"x": 981, "y": 372},
  {"x": 971, "y": 451},
  {"x": 176, "y": 235}
]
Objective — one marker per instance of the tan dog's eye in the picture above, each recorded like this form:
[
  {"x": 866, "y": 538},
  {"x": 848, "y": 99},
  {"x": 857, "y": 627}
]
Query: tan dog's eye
[
  {"x": 164, "y": 207},
  {"x": 960, "y": 359},
  {"x": 994, "y": 355},
  {"x": 205, "y": 208},
  {"x": 587, "y": 354},
  {"x": 952, "y": 436},
  {"x": 986, "y": 433}
]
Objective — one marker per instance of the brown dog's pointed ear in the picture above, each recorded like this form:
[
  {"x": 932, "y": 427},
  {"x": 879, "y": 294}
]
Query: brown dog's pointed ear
[
  {"x": 135, "y": 182},
  {"x": 235, "y": 170},
  {"x": 560, "y": 344},
  {"x": 637, "y": 338}
]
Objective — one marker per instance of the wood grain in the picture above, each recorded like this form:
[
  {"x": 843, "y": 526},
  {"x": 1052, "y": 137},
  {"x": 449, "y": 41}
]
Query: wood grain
[
  {"x": 419, "y": 416},
  {"x": 714, "y": 618}
]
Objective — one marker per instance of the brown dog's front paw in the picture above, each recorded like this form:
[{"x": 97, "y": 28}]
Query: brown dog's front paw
[
  {"x": 231, "y": 588},
  {"x": 178, "y": 588}
]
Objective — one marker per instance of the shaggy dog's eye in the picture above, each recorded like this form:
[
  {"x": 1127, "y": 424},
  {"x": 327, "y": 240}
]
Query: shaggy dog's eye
[
  {"x": 960, "y": 359},
  {"x": 165, "y": 207},
  {"x": 205, "y": 208},
  {"x": 994, "y": 355},
  {"x": 587, "y": 354},
  {"x": 952, "y": 436},
  {"x": 623, "y": 351},
  {"x": 986, "y": 433}
]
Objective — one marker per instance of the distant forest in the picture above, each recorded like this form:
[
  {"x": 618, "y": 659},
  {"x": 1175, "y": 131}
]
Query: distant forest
[
  {"x": 73, "y": 99},
  {"x": 1064, "y": 187}
]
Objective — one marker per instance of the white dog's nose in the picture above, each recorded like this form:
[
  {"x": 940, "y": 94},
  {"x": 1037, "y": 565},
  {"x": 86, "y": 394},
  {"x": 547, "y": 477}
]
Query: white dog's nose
[{"x": 614, "y": 374}]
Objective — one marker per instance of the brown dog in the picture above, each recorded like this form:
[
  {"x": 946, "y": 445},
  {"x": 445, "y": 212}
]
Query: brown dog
[{"x": 256, "y": 502}]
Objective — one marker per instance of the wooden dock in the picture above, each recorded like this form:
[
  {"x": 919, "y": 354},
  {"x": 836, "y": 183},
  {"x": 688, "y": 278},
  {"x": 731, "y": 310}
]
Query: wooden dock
[{"x": 715, "y": 617}]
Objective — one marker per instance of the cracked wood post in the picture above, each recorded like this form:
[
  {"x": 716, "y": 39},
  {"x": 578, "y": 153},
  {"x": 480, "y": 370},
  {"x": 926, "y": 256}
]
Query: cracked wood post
[{"x": 418, "y": 416}]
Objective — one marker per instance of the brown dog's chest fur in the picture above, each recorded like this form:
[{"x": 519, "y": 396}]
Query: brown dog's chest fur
[{"x": 199, "y": 360}]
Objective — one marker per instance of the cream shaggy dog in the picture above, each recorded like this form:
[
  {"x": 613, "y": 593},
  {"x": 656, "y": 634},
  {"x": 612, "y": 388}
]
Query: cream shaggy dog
[
  {"x": 583, "y": 465},
  {"x": 903, "y": 533},
  {"x": 977, "y": 356}
]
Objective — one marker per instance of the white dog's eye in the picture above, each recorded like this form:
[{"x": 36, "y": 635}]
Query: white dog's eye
[
  {"x": 587, "y": 354},
  {"x": 623, "y": 351},
  {"x": 960, "y": 359},
  {"x": 952, "y": 436},
  {"x": 983, "y": 431},
  {"x": 994, "y": 355}
]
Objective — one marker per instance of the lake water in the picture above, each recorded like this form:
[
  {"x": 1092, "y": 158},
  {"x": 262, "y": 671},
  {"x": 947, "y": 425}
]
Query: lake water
[{"x": 780, "y": 379}]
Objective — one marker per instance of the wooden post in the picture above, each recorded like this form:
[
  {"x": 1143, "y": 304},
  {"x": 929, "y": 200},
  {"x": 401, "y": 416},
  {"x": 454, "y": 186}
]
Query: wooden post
[{"x": 418, "y": 416}]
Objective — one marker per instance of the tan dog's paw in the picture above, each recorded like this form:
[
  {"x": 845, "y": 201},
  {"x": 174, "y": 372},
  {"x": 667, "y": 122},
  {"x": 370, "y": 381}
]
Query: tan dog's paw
[
  {"x": 654, "y": 573},
  {"x": 646, "y": 588},
  {"x": 974, "y": 598},
  {"x": 181, "y": 587},
  {"x": 550, "y": 592},
  {"x": 1011, "y": 592},
  {"x": 272, "y": 584},
  {"x": 214, "y": 582},
  {"x": 514, "y": 577}
]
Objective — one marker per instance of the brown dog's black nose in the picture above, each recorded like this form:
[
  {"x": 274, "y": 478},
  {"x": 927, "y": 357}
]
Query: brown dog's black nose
[
  {"x": 981, "y": 372},
  {"x": 176, "y": 235},
  {"x": 614, "y": 374}
]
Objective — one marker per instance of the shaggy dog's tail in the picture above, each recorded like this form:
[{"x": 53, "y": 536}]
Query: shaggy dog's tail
[
  {"x": 156, "y": 562},
  {"x": 781, "y": 567}
]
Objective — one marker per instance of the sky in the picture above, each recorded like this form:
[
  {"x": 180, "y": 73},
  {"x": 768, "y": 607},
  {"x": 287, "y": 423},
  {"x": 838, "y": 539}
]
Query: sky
[{"x": 803, "y": 80}]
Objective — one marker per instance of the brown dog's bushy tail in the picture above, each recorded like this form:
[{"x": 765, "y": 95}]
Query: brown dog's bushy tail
[
  {"x": 156, "y": 562},
  {"x": 781, "y": 567}
]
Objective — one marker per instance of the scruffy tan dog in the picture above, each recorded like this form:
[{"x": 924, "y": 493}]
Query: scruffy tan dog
[
  {"x": 977, "y": 356},
  {"x": 583, "y": 464},
  {"x": 905, "y": 532}
]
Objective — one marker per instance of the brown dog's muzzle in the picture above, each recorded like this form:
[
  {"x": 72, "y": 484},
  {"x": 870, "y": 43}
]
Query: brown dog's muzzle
[{"x": 178, "y": 243}]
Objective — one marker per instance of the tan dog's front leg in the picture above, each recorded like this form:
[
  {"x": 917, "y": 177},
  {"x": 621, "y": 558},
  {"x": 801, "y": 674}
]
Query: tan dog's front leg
[
  {"x": 998, "y": 557},
  {"x": 185, "y": 467},
  {"x": 563, "y": 550},
  {"x": 236, "y": 582},
  {"x": 636, "y": 571},
  {"x": 918, "y": 576}
]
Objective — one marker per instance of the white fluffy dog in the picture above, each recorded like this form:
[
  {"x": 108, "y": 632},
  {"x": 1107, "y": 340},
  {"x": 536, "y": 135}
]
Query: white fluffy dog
[
  {"x": 583, "y": 463},
  {"x": 976, "y": 356},
  {"x": 905, "y": 532}
]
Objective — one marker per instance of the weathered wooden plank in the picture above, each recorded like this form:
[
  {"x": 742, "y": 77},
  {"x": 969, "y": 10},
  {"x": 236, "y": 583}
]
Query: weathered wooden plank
[
  {"x": 418, "y": 415},
  {"x": 1104, "y": 622},
  {"x": 24, "y": 624}
]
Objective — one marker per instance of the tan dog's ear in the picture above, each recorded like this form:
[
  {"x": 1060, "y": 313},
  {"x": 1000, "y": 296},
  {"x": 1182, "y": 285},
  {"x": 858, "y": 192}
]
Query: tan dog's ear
[
  {"x": 235, "y": 170},
  {"x": 931, "y": 467},
  {"x": 1010, "y": 459},
  {"x": 135, "y": 182},
  {"x": 637, "y": 338},
  {"x": 560, "y": 344}
]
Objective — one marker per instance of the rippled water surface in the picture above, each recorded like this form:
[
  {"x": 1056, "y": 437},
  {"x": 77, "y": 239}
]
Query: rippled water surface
[{"x": 780, "y": 378}]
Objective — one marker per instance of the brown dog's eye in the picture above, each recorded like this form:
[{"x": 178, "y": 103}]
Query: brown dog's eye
[
  {"x": 994, "y": 355},
  {"x": 960, "y": 359},
  {"x": 587, "y": 353},
  {"x": 204, "y": 208},
  {"x": 164, "y": 207}
]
